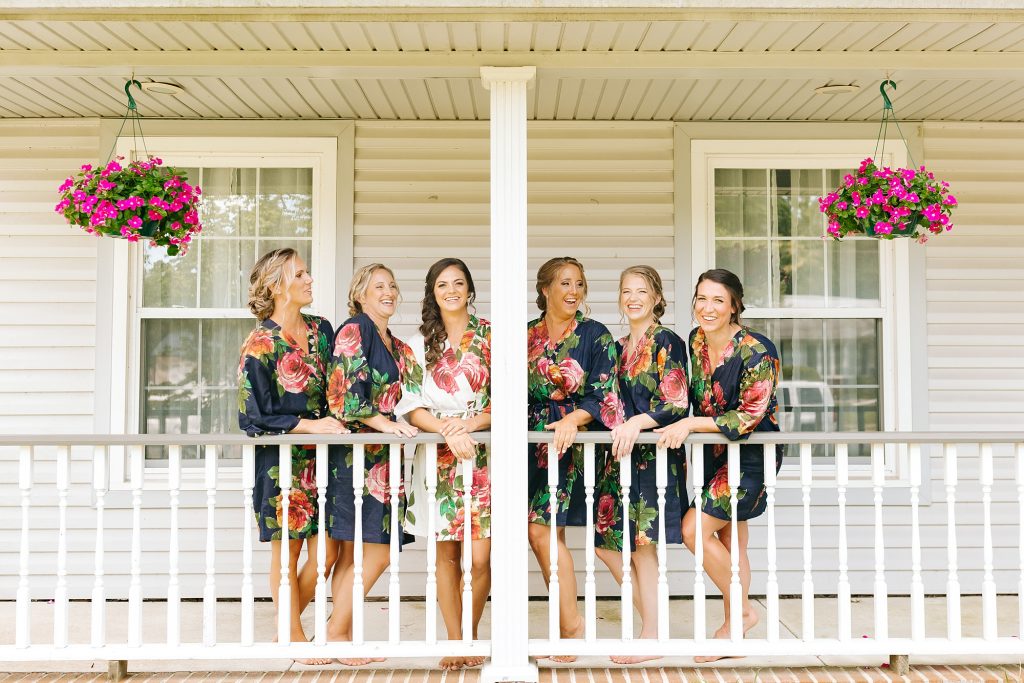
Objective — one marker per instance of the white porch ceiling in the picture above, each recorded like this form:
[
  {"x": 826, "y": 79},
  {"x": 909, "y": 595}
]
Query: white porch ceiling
[{"x": 681, "y": 70}]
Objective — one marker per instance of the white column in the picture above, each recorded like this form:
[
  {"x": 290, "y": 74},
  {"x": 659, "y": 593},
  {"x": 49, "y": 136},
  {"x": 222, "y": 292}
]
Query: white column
[{"x": 509, "y": 641}]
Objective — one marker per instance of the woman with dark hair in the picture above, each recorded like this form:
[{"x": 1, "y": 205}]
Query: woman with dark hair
[
  {"x": 364, "y": 384},
  {"x": 281, "y": 381},
  {"x": 571, "y": 385},
  {"x": 452, "y": 398},
  {"x": 734, "y": 373},
  {"x": 652, "y": 386}
]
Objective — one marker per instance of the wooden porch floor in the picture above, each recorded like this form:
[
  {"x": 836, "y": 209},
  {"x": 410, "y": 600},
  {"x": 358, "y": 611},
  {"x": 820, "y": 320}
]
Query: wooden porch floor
[{"x": 1002, "y": 673}]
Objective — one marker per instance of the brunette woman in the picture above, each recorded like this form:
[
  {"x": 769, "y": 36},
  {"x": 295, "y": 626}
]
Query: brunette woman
[
  {"x": 364, "y": 385},
  {"x": 653, "y": 389},
  {"x": 452, "y": 398},
  {"x": 734, "y": 373},
  {"x": 281, "y": 380},
  {"x": 572, "y": 362}
]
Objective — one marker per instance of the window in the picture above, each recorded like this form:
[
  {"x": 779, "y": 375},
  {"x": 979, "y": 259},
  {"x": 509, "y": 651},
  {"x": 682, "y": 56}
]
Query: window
[
  {"x": 188, "y": 313},
  {"x": 828, "y": 306}
]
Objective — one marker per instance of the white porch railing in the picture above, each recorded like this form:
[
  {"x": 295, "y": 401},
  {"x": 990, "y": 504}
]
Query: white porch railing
[{"x": 812, "y": 640}]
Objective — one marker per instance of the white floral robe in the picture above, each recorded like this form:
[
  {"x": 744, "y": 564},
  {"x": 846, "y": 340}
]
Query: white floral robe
[{"x": 458, "y": 385}]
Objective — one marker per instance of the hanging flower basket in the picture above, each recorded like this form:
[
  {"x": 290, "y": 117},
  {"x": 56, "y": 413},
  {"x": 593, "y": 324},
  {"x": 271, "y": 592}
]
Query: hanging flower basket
[
  {"x": 143, "y": 200},
  {"x": 887, "y": 203}
]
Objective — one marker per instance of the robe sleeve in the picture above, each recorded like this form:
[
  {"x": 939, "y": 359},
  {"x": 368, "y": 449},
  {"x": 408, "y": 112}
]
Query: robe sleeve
[
  {"x": 670, "y": 401},
  {"x": 255, "y": 401},
  {"x": 413, "y": 379},
  {"x": 758, "y": 381},
  {"x": 349, "y": 376},
  {"x": 601, "y": 396}
]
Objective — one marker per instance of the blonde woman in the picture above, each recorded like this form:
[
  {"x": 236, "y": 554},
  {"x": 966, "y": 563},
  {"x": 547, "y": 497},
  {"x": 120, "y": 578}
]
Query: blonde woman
[
  {"x": 367, "y": 368},
  {"x": 281, "y": 380}
]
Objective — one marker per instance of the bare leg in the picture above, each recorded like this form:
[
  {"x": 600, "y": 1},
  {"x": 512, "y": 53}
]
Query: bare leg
[
  {"x": 376, "y": 558},
  {"x": 294, "y": 548},
  {"x": 308, "y": 573},
  {"x": 449, "y": 595},
  {"x": 570, "y": 621},
  {"x": 644, "y": 564},
  {"x": 718, "y": 565},
  {"x": 481, "y": 588}
]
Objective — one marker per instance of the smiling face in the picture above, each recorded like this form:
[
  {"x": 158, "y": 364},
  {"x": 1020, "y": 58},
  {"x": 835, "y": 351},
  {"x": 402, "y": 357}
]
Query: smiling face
[
  {"x": 451, "y": 290},
  {"x": 637, "y": 299},
  {"x": 566, "y": 292},
  {"x": 298, "y": 290},
  {"x": 380, "y": 299},
  {"x": 713, "y": 307}
]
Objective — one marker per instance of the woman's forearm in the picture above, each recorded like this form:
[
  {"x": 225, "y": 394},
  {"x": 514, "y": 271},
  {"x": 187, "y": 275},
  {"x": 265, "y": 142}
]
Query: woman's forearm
[
  {"x": 422, "y": 419},
  {"x": 701, "y": 424}
]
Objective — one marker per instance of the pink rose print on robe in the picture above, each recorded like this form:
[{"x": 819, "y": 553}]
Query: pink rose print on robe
[
  {"x": 443, "y": 372},
  {"x": 300, "y": 510},
  {"x": 605, "y": 513},
  {"x": 673, "y": 388},
  {"x": 348, "y": 341},
  {"x": 566, "y": 376},
  {"x": 755, "y": 399},
  {"x": 377, "y": 482},
  {"x": 612, "y": 412},
  {"x": 474, "y": 371},
  {"x": 293, "y": 372},
  {"x": 307, "y": 478},
  {"x": 389, "y": 398}
]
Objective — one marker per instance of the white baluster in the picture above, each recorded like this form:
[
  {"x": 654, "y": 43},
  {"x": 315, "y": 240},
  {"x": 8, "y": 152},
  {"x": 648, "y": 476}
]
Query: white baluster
[
  {"x": 101, "y": 484},
  {"x": 554, "y": 593},
  {"x": 394, "y": 588},
  {"x": 626, "y": 605},
  {"x": 467, "y": 550},
  {"x": 917, "y": 627},
  {"x": 843, "y": 593},
  {"x": 60, "y": 593},
  {"x": 952, "y": 581},
  {"x": 320, "y": 611},
  {"x": 772, "y": 587},
  {"x": 988, "y": 584},
  {"x": 807, "y": 596},
  {"x": 248, "y": 618},
  {"x": 735, "y": 615},
  {"x": 881, "y": 592},
  {"x": 23, "y": 629},
  {"x": 284, "y": 588},
  {"x": 173, "y": 587},
  {"x": 430, "y": 473},
  {"x": 1020, "y": 539},
  {"x": 590, "y": 584},
  {"x": 210, "y": 588},
  {"x": 135, "y": 584},
  {"x": 699, "y": 608},
  {"x": 661, "y": 481},
  {"x": 358, "y": 477}
]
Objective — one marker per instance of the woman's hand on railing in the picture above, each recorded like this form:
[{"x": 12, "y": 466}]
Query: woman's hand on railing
[
  {"x": 454, "y": 425},
  {"x": 565, "y": 434},
  {"x": 462, "y": 445},
  {"x": 325, "y": 425},
  {"x": 398, "y": 429},
  {"x": 673, "y": 435},
  {"x": 624, "y": 436}
]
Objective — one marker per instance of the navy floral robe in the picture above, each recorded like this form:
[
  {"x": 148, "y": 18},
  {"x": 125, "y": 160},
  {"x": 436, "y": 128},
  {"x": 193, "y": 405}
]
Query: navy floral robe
[
  {"x": 364, "y": 379},
  {"x": 279, "y": 384},
  {"x": 652, "y": 381},
  {"x": 575, "y": 372},
  {"x": 740, "y": 394}
]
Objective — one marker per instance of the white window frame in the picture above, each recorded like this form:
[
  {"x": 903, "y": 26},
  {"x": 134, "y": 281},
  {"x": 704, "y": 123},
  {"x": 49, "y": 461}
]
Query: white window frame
[
  {"x": 319, "y": 154},
  {"x": 708, "y": 155}
]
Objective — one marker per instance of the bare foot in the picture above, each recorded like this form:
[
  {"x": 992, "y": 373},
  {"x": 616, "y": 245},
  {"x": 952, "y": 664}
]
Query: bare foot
[
  {"x": 314, "y": 662},
  {"x": 474, "y": 661},
  {"x": 575, "y": 632},
  {"x": 452, "y": 663},
  {"x": 353, "y": 661},
  {"x": 633, "y": 660},
  {"x": 750, "y": 620}
]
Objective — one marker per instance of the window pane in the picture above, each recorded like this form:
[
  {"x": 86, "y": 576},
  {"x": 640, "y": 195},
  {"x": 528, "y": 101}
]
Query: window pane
[
  {"x": 169, "y": 281},
  {"x": 741, "y": 202},
  {"x": 800, "y": 265},
  {"x": 286, "y": 201},
  {"x": 304, "y": 247},
  {"x": 229, "y": 202},
  {"x": 221, "y": 342},
  {"x": 749, "y": 260},
  {"x": 796, "y": 202},
  {"x": 224, "y": 272},
  {"x": 854, "y": 273}
]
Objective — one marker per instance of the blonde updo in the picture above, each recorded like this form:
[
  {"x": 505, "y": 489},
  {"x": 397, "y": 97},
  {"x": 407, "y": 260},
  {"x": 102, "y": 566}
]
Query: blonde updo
[
  {"x": 653, "y": 280},
  {"x": 547, "y": 273},
  {"x": 273, "y": 273},
  {"x": 361, "y": 283}
]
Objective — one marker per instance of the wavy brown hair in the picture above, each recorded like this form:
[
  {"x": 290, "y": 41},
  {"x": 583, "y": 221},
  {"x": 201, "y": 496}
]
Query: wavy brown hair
[
  {"x": 432, "y": 327},
  {"x": 546, "y": 275},
  {"x": 653, "y": 280}
]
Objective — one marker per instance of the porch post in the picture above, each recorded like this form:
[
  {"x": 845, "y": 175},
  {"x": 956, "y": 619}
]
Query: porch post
[{"x": 509, "y": 599}]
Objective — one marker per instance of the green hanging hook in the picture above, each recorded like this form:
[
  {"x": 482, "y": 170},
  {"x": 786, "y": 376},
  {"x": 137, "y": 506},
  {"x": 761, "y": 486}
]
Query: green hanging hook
[
  {"x": 881, "y": 89},
  {"x": 132, "y": 81}
]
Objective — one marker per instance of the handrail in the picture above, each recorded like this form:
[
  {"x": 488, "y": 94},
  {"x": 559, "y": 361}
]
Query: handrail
[{"x": 936, "y": 437}]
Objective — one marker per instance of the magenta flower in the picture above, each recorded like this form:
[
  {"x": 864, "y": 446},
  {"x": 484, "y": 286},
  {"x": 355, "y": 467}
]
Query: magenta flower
[
  {"x": 883, "y": 228},
  {"x": 862, "y": 212}
]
